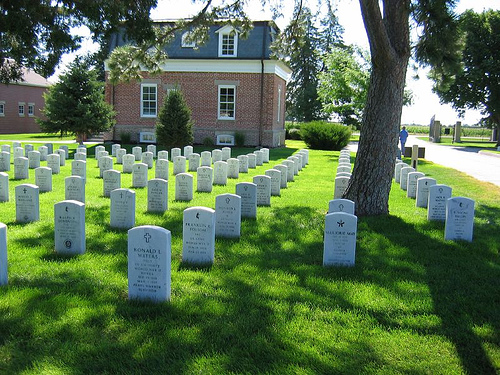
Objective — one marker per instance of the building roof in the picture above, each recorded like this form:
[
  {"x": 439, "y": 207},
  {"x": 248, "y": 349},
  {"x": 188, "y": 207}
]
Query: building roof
[{"x": 30, "y": 78}]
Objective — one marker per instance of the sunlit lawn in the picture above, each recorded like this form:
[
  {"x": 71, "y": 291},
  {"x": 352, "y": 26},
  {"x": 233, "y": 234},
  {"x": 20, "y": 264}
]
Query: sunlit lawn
[{"x": 413, "y": 303}]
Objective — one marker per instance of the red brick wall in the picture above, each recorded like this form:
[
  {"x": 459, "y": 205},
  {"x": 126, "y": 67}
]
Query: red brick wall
[
  {"x": 12, "y": 94},
  {"x": 201, "y": 93}
]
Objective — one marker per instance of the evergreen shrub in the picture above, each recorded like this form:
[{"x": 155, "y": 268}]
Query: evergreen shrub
[{"x": 321, "y": 135}]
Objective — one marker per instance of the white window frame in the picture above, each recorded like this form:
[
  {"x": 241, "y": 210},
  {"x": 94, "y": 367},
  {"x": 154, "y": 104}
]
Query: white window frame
[
  {"x": 185, "y": 44},
  {"x": 142, "y": 101},
  {"x": 220, "y": 87},
  {"x": 225, "y": 32},
  {"x": 2, "y": 108},
  {"x": 20, "y": 109},
  {"x": 31, "y": 109}
]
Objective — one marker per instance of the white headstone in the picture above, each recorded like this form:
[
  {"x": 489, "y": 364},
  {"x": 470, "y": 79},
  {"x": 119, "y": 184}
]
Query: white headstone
[
  {"x": 397, "y": 171},
  {"x": 299, "y": 159},
  {"x": 206, "y": 159},
  {"x": 69, "y": 227},
  {"x": 252, "y": 161},
  {"x": 3, "y": 255},
  {"x": 216, "y": 155},
  {"x": 50, "y": 148},
  {"x": 62, "y": 156},
  {"x": 275, "y": 181},
  {"x": 341, "y": 184},
  {"x": 459, "y": 223},
  {"x": 97, "y": 150},
  {"x": 243, "y": 159},
  {"x": 403, "y": 182},
  {"x": 137, "y": 152},
  {"x": 263, "y": 190},
  {"x": 27, "y": 203},
  {"x": 198, "y": 235},
  {"x": 204, "y": 179},
  {"x": 4, "y": 161},
  {"x": 423, "y": 185},
  {"x": 54, "y": 163},
  {"x": 139, "y": 175},
  {"x": 147, "y": 158},
  {"x": 34, "y": 159},
  {"x": 248, "y": 193},
  {"x": 163, "y": 154},
  {"x": 290, "y": 168},
  {"x": 341, "y": 205},
  {"x": 120, "y": 153},
  {"x": 344, "y": 169},
  {"x": 152, "y": 149},
  {"x": 436, "y": 207},
  {"x": 149, "y": 263},
  {"x": 284, "y": 175},
  {"x": 21, "y": 171},
  {"x": 179, "y": 165},
  {"x": 27, "y": 149},
  {"x": 44, "y": 151},
  {"x": 80, "y": 156},
  {"x": 16, "y": 144},
  {"x": 105, "y": 164},
  {"x": 4, "y": 187},
  {"x": 175, "y": 152},
  {"x": 220, "y": 173},
  {"x": 128, "y": 162},
  {"x": 157, "y": 195},
  {"x": 343, "y": 174},
  {"x": 188, "y": 150},
  {"x": 228, "y": 215},
  {"x": 74, "y": 188},
  {"x": 122, "y": 212},
  {"x": 340, "y": 239},
  {"x": 79, "y": 168},
  {"x": 161, "y": 169},
  {"x": 114, "y": 149},
  {"x": 304, "y": 158},
  {"x": 265, "y": 154},
  {"x": 411, "y": 189},
  {"x": 183, "y": 187},
  {"x": 233, "y": 168},
  {"x": 18, "y": 152},
  {"x": 259, "y": 157},
  {"x": 100, "y": 155},
  {"x": 295, "y": 164},
  {"x": 194, "y": 162},
  {"x": 111, "y": 180},
  {"x": 6, "y": 148},
  {"x": 226, "y": 153},
  {"x": 82, "y": 149},
  {"x": 43, "y": 178}
]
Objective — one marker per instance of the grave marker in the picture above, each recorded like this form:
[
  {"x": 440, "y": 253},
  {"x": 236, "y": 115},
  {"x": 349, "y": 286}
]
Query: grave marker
[
  {"x": 233, "y": 168},
  {"x": 4, "y": 161},
  {"x": 4, "y": 187},
  {"x": 105, "y": 164},
  {"x": 3, "y": 255},
  {"x": 152, "y": 149},
  {"x": 62, "y": 157},
  {"x": 265, "y": 155},
  {"x": 228, "y": 216},
  {"x": 397, "y": 171},
  {"x": 139, "y": 175},
  {"x": 79, "y": 168},
  {"x": 74, "y": 188},
  {"x": 111, "y": 180},
  {"x": 259, "y": 157},
  {"x": 43, "y": 150},
  {"x": 194, "y": 162},
  {"x": 263, "y": 190},
  {"x": 339, "y": 247},
  {"x": 243, "y": 159},
  {"x": 21, "y": 171},
  {"x": 54, "y": 163},
  {"x": 34, "y": 159},
  {"x": 179, "y": 165},
  {"x": 27, "y": 149},
  {"x": 69, "y": 227},
  {"x": 284, "y": 175},
  {"x": 163, "y": 154},
  {"x": 27, "y": 203},
  {"x": 188, "y": 150},
  {"x": 436, "y": 208},
  {"x": 252, "y": 161},
  {"x": 248, "y": 193},
  {"x": 275, "y": 181},
  {"x": 220, "y": 173},
  {"x": 423, "y": 185},
  {"x": 403, "y": 182},
  {"x": 137, "y": 152},
  {"x": 128, "y": 162},
  {"x": 114, "y": 149},
  {"x": 183, "y": 187},
  {"x": 149, "y": 263},
  {"x": 80, "y": 156},
  {"x": 290, "y": 168},
  {"x": 18, "y": 152},
  {"x": 50, "y": 148},
  {"x": 343, "y": 168},
  {"x": 459, "y": 222},
  {"x": 341, "y": 205},
  {"x": 216, "y": 155},
  {"x": 122, "y": 212},
  {"x": 411, "y": 190},
  {"x": 43, "y": 178},
  {"x": 147, "y": 158},
  {"x": 206, "y": 159},
  {"x": 226, "y": 153},
  {"x": 341, "y": 184},
  {"x": 198, "y": 235},
  {"x": 120, "y": 153},
  {"x": 175, "y": 152},
  {"x": 204, "y": 179},
  {"x": 157, "y": 195}
]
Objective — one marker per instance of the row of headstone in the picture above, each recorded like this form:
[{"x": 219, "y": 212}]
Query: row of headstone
[
  {"x": 456, "y": 212},
  {"x": 343, "y": 174}
]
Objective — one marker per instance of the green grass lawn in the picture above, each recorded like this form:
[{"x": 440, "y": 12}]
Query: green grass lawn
[
  {"x": 413, "y": 303},
  {"x": 36, "y": 137},
  {"x": 466, "y": 142}
]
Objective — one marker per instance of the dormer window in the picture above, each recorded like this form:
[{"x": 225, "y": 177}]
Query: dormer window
[
  {"x": 228, "y": 42},
  {"x": 184, "y": 41}
]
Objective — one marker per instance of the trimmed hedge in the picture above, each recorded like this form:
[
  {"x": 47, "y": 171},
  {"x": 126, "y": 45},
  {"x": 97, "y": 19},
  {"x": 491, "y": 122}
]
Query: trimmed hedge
[{"x": 321, "y": 135}]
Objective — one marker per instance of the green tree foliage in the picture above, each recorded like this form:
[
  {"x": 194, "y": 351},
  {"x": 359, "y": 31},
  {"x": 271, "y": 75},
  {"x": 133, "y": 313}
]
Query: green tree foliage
[
  {"x": 321, "y": 135},
  {"x": 35, "y": 34},
  {"x": 476, "y": 85},
  {"x": 343, "y": 84},
  {"x": 174, "y": 127},
  {"x": 76, "y": 104}
]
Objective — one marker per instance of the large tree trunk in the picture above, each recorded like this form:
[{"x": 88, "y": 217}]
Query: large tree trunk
[{"x": 390, "y": 50}]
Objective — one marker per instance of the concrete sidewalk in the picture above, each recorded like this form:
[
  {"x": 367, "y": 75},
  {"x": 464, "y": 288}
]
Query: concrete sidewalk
[{"x": 465, "y": 159}]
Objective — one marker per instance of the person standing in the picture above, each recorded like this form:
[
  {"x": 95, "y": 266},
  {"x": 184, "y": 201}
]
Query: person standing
[{"x": 403, "y": 136}]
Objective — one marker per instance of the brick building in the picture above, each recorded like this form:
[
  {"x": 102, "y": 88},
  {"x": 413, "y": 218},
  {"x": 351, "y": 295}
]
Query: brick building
[
  {"x": 231, "y": 85},
  {"x": 21, "y": 102}
]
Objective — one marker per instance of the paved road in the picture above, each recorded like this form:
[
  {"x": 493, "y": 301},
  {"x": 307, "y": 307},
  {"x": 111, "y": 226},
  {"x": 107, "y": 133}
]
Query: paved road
[{"x": 465, "y": 159}]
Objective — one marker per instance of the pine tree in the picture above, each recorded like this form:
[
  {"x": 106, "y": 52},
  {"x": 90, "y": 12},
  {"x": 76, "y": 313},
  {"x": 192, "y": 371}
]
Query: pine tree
[
  {"x": 174, "y": 128},
  {"x": 76, "y": 104}
]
